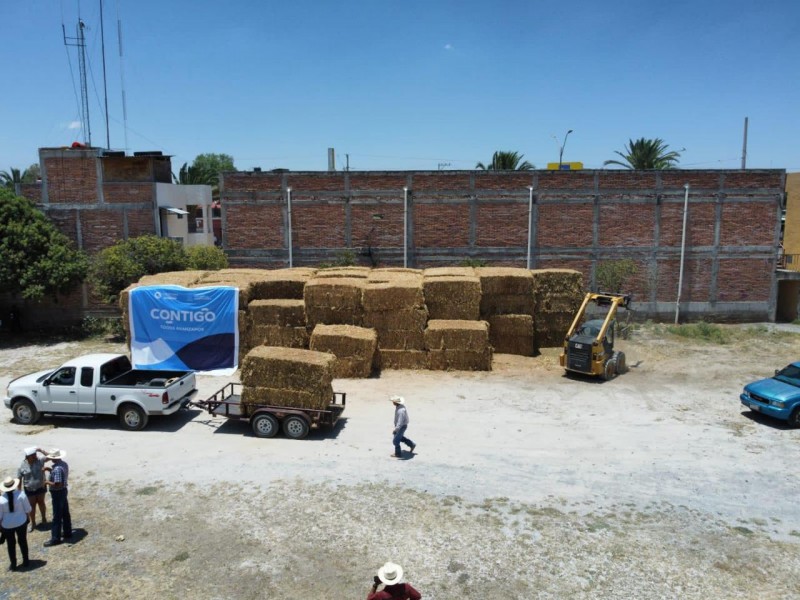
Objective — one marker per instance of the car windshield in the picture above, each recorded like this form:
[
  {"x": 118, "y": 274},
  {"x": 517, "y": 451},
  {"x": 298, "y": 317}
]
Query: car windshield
[{"x": 790, "y": 375}]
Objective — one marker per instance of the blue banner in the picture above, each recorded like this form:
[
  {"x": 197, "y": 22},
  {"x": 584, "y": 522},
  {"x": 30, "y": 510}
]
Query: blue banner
[{"x": 177, "y": 328}]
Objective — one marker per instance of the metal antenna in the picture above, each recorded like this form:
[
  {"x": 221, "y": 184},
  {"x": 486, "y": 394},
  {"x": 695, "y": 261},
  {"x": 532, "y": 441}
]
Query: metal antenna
[
  {"x": 122, "y": 81},
  {"x": 105, "y": 85},
  {"x": 80, "y": 43}
]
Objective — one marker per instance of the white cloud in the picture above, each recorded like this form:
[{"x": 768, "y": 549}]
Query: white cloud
[
  {"x": 448, "y": 46},
  {"x": 74, "y": 125}
]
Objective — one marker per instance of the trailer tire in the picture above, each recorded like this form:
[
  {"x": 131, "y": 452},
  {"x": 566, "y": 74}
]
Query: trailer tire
[
  {"x": 610, "y": 370},
  {"x": 132, "y": 417},
  {"x": 25, "y": 412},
  {"x": 794, "y": 418},
  {"x": 264, "y": 425},
  {"x": 622, "y": 365},
  {"x": 295, "y": 427}
]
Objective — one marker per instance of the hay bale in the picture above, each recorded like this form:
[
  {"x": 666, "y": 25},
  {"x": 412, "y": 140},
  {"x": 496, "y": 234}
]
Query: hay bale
[
  {"x": 398, "y": 339},
  {"x": 334, "y": 301},
  {"x": 512, "y": 334},
  {"x": 317, "y": 399},
  {"x": 277, "y": 335},
  {"x": 460, "y": 360},
  {"x": 286, "y": 313},
  {"x": 470, "y": 336},
  {"x": 452, "y": 297},
  {"x": 556, "y": 283},
  {"x": 449, "y": 272},
  {"x": 393, "y": 271},
  {"x": 352, "y": 271},
  {"x": 242, "y": 282},
  {"x": 402, "y": 359},
  {"x": 396, "y": 293},
  {"x": 411, "y": 319},
  {"x": 512, "y": 304},
  {"x": 505, "y": 281},
  {"x": 182, "y": 278},
  {"x": 288, "y": 368},
  {"x": 353, "y": 347},
  {"x": 550, "y": 332}
]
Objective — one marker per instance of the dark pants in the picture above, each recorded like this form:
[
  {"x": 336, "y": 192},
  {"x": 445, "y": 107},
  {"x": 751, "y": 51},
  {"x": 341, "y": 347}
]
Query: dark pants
[
  {"x": 61, "y": 516},
  {"x": 399, "y": 438},
  {"x": 12, "y": 536}
]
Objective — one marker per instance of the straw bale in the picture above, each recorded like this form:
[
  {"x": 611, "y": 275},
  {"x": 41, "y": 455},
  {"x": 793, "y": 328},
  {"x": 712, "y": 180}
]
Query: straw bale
[
  {"x": 560, "y": 303},
  {"x": 550, "y": 330},
  {"x": 321, "y": 315},
  {"x": 460, "y": 360},
  {"x": 452, "y": 297},
  {"x": 282, "y": 283},
  {"x": 290, "y": 368},
  {"x": 352, "y": 271},
  {"x": 317, "y": 399},
  {"x": 352, "y": 368},
  {"x": 398, "y": 339},
  {"x": 286, "y": 313},
  {"x": 277, "y": 335},
  {"x": 505, "y": 281},
  {"x": 381, "y": 271},
  {"x": 396, "y": 293},
  {"x": 183, "y": 278},
  {"x": 344, "y": 341},
  {"x": 449, "y": 272},
  {"x": 242, "y": 282},
  {"x": 457, "y": 335},
  {"x": 402, "y": 359},
  {"x": 512, "y": 334},
  {"x": 511, "y": 304},
  {"x": 412, "y": 319},
  {"x": 335, "y": 293}
]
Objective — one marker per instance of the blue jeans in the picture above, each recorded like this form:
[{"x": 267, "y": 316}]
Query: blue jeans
[
  {"x": 61, "y": 516},
  {"x": 399, "y": 438}
]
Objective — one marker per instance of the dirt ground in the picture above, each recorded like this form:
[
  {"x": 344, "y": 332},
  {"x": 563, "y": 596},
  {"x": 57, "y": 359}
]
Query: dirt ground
[{"x": 525, "y": 484}]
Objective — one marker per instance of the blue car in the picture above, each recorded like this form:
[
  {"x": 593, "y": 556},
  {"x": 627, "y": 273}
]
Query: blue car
[{"x": 778, "y": 396}]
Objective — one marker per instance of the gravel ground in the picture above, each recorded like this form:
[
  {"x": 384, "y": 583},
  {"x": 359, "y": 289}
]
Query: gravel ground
[{"x": 525, "y": 484}]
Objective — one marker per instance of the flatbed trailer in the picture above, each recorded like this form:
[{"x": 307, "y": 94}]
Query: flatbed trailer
[{"x": 267, "y": 420}]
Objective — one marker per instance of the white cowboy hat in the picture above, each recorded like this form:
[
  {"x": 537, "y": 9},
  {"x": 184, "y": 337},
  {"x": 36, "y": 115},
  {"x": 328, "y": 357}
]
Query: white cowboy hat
[
  {"x": 390, "y": 573},
  {"x": 9, "y": 484},
  {"x": 30, "y": 451},
  {"x": 56, "y": 454},
  {"x": 397, "y": 400}
]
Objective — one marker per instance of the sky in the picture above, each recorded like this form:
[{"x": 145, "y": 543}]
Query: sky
[{"x": 407, "y": 85}]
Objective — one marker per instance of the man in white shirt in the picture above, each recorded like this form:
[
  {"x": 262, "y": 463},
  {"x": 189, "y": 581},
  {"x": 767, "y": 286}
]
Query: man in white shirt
[
  {"x": 400, "y": 426},
  {"x": 14, "y": 511}
]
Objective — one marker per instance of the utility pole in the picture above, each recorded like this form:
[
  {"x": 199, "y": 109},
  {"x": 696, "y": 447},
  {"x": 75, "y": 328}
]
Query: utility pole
[
  {"x": 347, "y": 162},
  {"x": 80, "y": 43},
  {"x": 744, "y": 146},
  {"x": 105, "y": 86},
  {"x": 561, "y": 150}
]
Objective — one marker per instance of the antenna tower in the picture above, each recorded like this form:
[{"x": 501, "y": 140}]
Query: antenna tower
[{"x": 80, "y": 43}]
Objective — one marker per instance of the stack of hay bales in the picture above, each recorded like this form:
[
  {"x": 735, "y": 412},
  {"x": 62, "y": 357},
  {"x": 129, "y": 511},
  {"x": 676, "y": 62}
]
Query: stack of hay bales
[
  {"x": 282, "y": 284},
  {"x": 507, "y": 303},
  {"x": 279, "y": 322},
  {"x": 458, "y": 345},
  {"x": 558, "y": 294},
  {"x": 334, "y": 300},
  {"x": 287, "y": 377},
  {"x": 452, "y": 293},
  {"x": 394, "y": 307},
  {"x": 354, "y": 348}
]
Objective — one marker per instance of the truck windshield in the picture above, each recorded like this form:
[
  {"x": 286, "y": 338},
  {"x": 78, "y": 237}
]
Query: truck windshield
[{"x": 790, "y": 375}]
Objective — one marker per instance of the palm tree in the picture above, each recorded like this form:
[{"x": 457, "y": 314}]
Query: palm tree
[
  {"x": 191, "y": 175},
  {"x": 9, "y": 179},
  {"x": 646, "y": 154},
  {"x": 506, "y": 161}
]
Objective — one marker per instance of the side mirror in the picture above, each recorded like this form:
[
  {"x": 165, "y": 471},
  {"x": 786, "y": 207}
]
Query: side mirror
[
  {"x": 46, "y": 382},
  {"x": 777, "y": 371}
]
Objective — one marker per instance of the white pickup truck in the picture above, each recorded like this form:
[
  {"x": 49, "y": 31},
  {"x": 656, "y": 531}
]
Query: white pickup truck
[{"x": 100, "y": 384}]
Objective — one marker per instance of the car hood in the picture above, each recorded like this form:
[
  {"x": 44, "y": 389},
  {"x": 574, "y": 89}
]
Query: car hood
[
  {"x": 773, "y": 389},
  {"x": 29, "y": 379}
]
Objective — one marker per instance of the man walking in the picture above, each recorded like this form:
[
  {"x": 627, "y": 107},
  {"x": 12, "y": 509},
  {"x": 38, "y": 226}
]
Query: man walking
[
  {"x": 59, "y": 473},
  {"x": 400, "y": 426}
]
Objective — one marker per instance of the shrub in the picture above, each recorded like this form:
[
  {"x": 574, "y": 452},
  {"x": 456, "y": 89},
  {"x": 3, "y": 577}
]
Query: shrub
[
  {"x": 708, "y": 332},
  {"x": 206, "y": 258},
  {"x": 612, "y": 275}
]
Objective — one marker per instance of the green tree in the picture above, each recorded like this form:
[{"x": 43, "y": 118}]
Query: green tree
[
  {"x": 646, "y": 154},
  {"x": 194, "y": 176},
  {"x": 8, "y": 179},
  {"x": 31, "y": 174},
  {"x": 206, "y": 258},
  {"x": 213, "y": 164},
  {"x": 612, "y": 275},
  {"x": 116, "y": 267},
  {"x": 36, "y": 259},
  {"x": 506, "y": 161}
]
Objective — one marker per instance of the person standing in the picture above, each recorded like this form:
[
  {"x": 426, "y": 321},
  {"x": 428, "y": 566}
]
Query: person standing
[
  {"x": 391, "y": 576},
  {"x": 59, "y": 474},
  {"x": 400, "y": 426},
  {"x": 14, "y": 509},
  {"x": 31, "y": 472}
]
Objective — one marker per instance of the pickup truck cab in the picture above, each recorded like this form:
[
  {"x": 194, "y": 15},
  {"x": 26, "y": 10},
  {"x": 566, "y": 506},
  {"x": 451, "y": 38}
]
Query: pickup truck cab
[
  {"x": 778, "y": 396},
  {"x": 100, "y": 384}
]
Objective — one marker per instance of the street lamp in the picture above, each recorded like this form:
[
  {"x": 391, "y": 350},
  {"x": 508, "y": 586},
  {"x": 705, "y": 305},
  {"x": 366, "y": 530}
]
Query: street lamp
[{"x": 561, "y": 150}]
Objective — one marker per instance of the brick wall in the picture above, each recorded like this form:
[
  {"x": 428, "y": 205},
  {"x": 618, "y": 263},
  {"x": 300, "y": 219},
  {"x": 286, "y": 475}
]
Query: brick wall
[{"x": 580, "y": 219}]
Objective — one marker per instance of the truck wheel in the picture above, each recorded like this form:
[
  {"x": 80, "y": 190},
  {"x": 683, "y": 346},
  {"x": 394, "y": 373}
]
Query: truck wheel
[
  {"x": 25, "y": 412},
  {"x": 132, "y": 418},
  {"x": 264, "y": 425},
  {"x": 610, "y": 369},
  {"x": 794, "y": 420},
  {"x": 295, "y": 427},
  {"x": 622, "y": 366}
]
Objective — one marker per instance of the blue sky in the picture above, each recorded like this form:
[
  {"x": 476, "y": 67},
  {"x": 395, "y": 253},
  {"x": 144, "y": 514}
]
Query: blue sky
[{"x": 409, "y": 84}]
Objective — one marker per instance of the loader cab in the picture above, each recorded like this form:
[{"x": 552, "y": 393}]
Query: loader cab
[{"x": 592, "y": 329}]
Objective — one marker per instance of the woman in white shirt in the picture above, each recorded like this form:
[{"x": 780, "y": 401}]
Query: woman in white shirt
[{"x": 14, "y": 511}]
